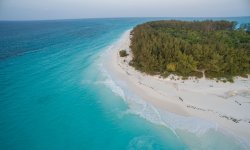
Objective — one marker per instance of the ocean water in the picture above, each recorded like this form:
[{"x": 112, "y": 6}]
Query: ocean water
[{"x": 55, "y": 93}]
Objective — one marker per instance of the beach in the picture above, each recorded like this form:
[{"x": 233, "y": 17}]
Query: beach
[{"x": 194, "y": 105}]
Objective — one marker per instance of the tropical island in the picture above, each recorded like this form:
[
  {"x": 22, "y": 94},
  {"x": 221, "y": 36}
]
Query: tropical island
[
  {"x": 175, "y": 69},
  {"x": 211, "y": 48}
]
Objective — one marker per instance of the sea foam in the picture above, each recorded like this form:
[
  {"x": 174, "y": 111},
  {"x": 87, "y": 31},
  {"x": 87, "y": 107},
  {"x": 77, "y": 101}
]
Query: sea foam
[{"x": 155, "y": 115}]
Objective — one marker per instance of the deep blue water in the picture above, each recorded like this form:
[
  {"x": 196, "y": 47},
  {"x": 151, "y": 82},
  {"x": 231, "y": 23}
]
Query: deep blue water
[{"x": 49, "y": 92}]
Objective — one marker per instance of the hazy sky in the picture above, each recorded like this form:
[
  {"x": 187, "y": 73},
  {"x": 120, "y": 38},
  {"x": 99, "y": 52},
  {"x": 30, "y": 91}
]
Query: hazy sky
[{"x": 62, "y": 9}]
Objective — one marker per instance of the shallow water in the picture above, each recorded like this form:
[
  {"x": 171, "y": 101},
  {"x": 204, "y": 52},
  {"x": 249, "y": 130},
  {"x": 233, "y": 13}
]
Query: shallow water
[{"x": 55, "y": 95}]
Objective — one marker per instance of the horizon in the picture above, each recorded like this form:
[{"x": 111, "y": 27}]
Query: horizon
[
  {"x": 124, "y": 18},
  {"x": 25, "y": 10}
]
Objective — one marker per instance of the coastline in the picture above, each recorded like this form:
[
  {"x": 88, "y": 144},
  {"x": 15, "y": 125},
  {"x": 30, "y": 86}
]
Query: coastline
[{"x": 196, "y": 105}]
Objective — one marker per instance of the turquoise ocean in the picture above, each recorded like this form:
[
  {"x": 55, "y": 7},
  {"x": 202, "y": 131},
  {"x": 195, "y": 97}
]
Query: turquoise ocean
[{"x": 54, "y": 94}]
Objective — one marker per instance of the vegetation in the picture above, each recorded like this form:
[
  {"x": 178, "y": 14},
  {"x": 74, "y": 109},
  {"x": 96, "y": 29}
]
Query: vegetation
[
  {"x": 123, "y": 53},
  {"x": 190, "y": 48}
]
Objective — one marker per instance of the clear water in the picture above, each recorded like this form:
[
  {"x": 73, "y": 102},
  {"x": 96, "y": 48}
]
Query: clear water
[{"x": 52, "y": 96}]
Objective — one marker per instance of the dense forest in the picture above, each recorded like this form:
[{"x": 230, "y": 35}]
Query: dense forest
[{"x": 190, "y": 48}]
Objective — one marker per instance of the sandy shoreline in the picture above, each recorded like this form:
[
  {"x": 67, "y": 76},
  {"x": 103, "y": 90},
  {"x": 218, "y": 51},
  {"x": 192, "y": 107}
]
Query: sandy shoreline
[{"x": 221, "y": 105}]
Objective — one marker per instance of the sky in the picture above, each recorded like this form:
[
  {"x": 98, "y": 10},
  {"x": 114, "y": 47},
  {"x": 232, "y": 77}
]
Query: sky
[{"x": 72, "y": 9}]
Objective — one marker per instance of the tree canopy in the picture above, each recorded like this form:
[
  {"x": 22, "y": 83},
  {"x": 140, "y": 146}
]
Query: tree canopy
[{"x": 188, "y": 48}]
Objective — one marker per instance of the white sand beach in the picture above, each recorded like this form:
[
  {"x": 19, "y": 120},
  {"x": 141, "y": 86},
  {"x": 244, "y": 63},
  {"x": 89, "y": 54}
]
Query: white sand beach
[{"x": 195, "y": 102}]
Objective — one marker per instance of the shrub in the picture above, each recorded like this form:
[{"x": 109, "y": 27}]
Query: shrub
[
  {"x": 171, "y": 67},
  {"x": 123, "y": 53},
  {"x": 165, "y": 74}
]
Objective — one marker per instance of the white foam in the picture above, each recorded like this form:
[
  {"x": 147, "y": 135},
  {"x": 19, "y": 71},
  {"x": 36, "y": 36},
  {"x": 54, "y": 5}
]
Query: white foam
[
  {"x": 155, "y": 115},
  {"x": 110, "y": 83},
  {"x": 141, "y": 142},
  {"x": 173, "y": 121}
]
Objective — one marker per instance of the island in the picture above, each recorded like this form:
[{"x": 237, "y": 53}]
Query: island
[{"x": 176, "y": 73}]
